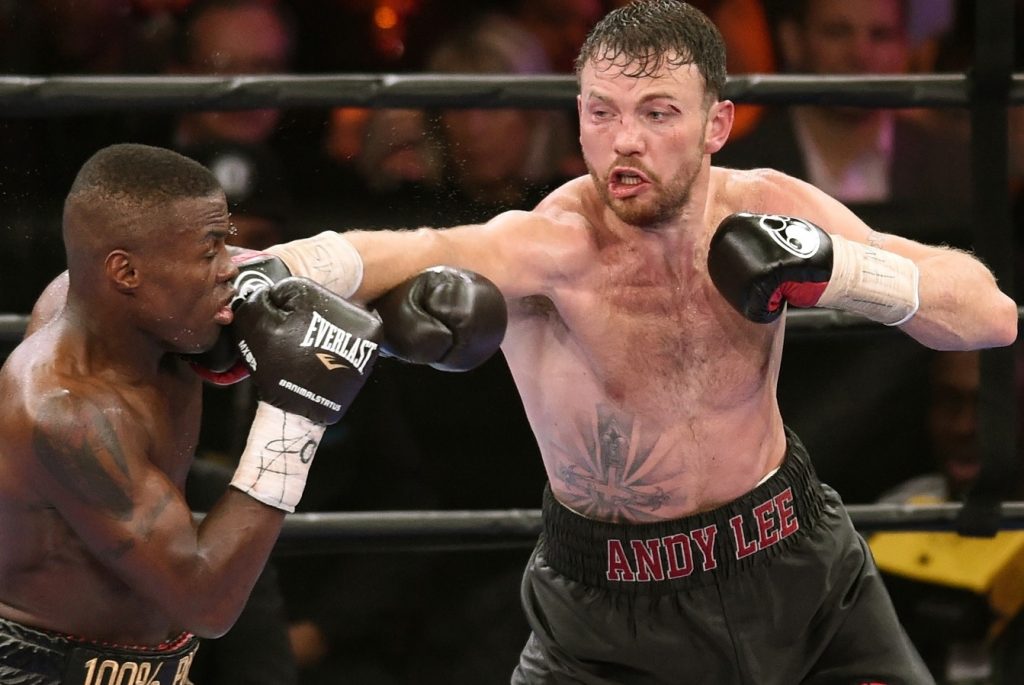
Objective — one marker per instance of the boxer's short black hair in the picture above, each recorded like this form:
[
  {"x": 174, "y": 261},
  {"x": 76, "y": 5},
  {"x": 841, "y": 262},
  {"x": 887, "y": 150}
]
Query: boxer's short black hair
[{"x": 141, "y": 175}]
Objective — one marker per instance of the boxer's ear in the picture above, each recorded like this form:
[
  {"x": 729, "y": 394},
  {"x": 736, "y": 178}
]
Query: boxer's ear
[
  {"x": 120, "y": 269},
  {"x": 719, "y": 124}
]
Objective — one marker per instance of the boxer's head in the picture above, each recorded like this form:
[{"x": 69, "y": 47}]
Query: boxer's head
[
  {"x": 650, "y": 75},
  {"x": 144, "y": 232}
]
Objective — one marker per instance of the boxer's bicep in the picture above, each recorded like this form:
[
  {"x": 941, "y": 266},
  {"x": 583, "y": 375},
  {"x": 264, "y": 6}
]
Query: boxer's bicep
[
  {"x": 95, "y": 472},
  {"x": 522, "y": 253},
  {"x": 527, "y": 253}
]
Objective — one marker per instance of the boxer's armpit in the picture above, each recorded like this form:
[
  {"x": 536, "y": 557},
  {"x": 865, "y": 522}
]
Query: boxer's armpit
[{"x": 79, "y": 447}]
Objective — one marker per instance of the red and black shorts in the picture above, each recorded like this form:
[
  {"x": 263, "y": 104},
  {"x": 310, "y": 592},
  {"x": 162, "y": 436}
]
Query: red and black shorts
[{"x": 774, "y": 588}]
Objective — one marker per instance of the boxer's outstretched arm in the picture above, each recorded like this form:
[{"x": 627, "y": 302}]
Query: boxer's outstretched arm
[
  {"x": 522, "y": 253},
  {"x": 960, "y": 304}
]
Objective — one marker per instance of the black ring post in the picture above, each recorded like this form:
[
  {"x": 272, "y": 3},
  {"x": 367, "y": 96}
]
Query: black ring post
[
  {"x": 58, "y": 96},
  {"x": 990, "y": 87}
]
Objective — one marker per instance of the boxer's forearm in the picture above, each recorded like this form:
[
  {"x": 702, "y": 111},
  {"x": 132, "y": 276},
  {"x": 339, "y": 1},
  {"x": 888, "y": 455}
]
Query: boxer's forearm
[
  {"x": 522, "y": 253},
  {"x": 392, "y": 257},
  {"x": 961, "y": 306}
]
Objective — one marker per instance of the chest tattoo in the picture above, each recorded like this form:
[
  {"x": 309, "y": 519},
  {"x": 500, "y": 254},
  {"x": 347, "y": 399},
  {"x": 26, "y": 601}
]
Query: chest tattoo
[{"x": 608, "y": 469}]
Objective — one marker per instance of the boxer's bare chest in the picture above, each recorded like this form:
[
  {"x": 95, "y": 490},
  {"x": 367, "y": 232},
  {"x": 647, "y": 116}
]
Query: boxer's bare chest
[
  {"x": 658, "y": 335},
  {"x": 171, "y": 410},
  {"x": 655, "y": 373}
]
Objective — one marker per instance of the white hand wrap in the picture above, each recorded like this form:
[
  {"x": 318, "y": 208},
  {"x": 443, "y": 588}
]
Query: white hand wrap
[
  {"x": 875, "y": 283},
  {"x": 326, "y": 258},
  {"x": 274, "y": 465}
]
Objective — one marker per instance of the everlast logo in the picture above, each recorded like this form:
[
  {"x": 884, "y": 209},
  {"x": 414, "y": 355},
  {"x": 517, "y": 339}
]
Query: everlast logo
[
  {"x": 679, "y": 555},
  {"x": 324, "y": 335}
]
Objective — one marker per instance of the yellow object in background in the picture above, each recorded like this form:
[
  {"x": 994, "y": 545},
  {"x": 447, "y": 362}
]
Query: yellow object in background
[{"x": 990, "y": 567}]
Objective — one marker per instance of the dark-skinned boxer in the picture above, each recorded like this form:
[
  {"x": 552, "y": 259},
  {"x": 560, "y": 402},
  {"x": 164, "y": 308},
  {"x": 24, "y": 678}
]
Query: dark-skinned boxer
[{"x": 103, "y": 576}]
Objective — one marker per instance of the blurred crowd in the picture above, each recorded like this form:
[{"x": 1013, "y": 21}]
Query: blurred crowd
[{"x": 420, "y": 439}]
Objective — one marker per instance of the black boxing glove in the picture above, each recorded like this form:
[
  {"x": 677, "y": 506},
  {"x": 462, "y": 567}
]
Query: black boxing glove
[
  {"x": 309, "y": 352},
  {"x": 220, "y": 364},
  {"x": 451, "y": 319},
  {"x": 760, "y": 262}
]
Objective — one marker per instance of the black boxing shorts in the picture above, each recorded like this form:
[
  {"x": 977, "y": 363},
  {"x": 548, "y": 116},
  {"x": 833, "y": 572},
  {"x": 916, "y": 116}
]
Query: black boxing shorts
[
  {"x": 29, "y": 656},
  {"x": 774, "y": 588}
]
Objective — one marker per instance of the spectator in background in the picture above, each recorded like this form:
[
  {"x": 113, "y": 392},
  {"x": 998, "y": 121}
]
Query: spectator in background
[
  {"x": 254, "y": 37},
  {"x": 860, "y": 155},
  {"x": 959, "y": 598},
  {"x": 395, "y": 152},
  {"x": 410, "y": 166},
  {"x": 955, "y": 378},
  {"x": 561, "y": 27},
  {"x": 219, "y": 37},
  {"x": 499, "y": 159}
]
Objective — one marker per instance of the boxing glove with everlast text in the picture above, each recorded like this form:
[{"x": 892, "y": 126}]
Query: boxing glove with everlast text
[
  {"x": 760, "y": 262},
  {"x": 309, "y": 352},
  {"x": 220, "y": 364},
  {"x": 449, "y": 318}
]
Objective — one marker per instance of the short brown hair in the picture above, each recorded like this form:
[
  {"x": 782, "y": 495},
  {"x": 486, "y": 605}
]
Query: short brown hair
[{"x": 649, "y": 34}]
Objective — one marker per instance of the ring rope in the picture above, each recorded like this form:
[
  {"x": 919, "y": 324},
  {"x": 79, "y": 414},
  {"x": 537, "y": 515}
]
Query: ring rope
[
  {"x": 67, "y": 95},
  {"x": 335, "y": 532}
]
